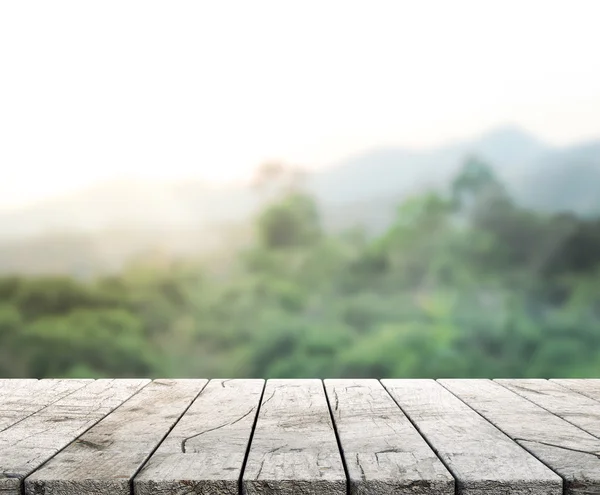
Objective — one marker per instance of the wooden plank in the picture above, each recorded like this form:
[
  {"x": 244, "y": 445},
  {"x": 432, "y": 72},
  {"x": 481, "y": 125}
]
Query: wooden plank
[
  {"x": 590, "y": 387},
  {"x": 20, "y": 399},
  {"x": 10, "y": 388},
  {"x": 6, "y": 383},
  {"x": 105, "y": 459},
  {"x": 383, "y": 451},
  {"x": 294, "y": 448},
  {"x": 567, "y": 404},
  {"x": 25, "y": 446},
  {"x": 205, "y": 451},
  {"x": 482, "y": 459},
  {"x": 568, "y": 450}
]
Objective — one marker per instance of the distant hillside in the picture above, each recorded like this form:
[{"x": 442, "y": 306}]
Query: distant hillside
[
  {"x": 564, "y": 180},
  {"x": 129, "y": 204},
  {"x": 392, "y": 171},
  {"x": 364, "y": 189},
  {"x": 87, "y": 254}
]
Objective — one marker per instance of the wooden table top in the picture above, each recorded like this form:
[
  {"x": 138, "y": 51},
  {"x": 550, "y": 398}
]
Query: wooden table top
[{"x": 310, "y": 436}]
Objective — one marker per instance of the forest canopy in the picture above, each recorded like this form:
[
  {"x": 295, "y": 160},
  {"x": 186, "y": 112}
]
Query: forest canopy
[{"x": 463, "y": 283}]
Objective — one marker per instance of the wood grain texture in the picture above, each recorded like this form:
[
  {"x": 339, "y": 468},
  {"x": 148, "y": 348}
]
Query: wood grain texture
[
  {"x": 180, "y": 437},
  {"x": 28, "y": 444},
  {"x": 590, "y": 387},
  {"x": 13, "y": 383},
  {"x": 20, "y": 399},
  {"x": 205, "y": 451},
  {"x": 294, "y": 449},
  {"x": 105, "y": 459},
  {"x": 383, "y": 451},
  {"x": 565, "y": 403},
  {"x": 482, "y": 459},
  {"x": 568, "y": 450}
]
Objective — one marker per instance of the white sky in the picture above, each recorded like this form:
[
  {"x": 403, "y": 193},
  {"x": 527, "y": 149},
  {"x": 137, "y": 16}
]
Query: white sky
[{"x": 92, "y": 91}]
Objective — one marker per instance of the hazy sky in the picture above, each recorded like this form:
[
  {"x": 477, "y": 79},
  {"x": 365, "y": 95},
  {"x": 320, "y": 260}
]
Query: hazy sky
[{"x": 97, "y": 90}]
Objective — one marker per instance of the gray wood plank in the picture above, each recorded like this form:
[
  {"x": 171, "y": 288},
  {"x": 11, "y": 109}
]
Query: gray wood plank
[
  {"x": 573, "y": 407},
  {"x": 294, "y": 448},
  {"x": 20, "y": 399},
  {"x": 10, "y": 388},
  {"x": 482, "y": 459},
  {"x": 590, "y": 387},
  {"x": 105, "y": 459},
  {"x": 568, "y": 450},
  {"x": 6, "y": 383},
  {"x": 25, "y": 446},
  {"x": 383, "y": 451},
  {"x": 205, "y": 451}
]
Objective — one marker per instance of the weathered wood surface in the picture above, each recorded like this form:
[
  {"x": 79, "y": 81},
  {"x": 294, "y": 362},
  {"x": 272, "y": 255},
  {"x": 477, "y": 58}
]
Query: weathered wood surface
[
  {"x": 105, "y": 459},
  {"x": 26, "y": 445},
  {"x": 205, "y": 452},
  {"x": 294, "y": 448},
  {"x": 384, "y": 452},
  {"x": 20, "y": 399},
  {"x": 588, "y": 387},
  {"x": 362, "y": 437},
  {"x": 482, "y": 459},
  {"x": 8, "y": 385},
  {"x": 565, "y": 403},
  {"x": 567, "y": 449}
]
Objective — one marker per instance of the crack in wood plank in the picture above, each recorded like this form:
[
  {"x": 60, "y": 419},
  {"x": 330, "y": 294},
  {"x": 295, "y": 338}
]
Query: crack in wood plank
[{"x": 185, "y": 440}]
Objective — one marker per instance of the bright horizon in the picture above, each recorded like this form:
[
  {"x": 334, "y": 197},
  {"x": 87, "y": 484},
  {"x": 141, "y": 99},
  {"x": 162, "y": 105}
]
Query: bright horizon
[{"x": 100, "y": 91}]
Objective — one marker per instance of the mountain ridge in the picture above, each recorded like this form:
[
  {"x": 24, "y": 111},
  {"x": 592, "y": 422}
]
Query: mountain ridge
[{"x": 360, "y": 189}]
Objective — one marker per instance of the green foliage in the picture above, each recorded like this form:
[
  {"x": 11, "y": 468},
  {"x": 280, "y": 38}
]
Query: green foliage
[
  {"x": 463, "y": 285},
  {"x": 109, "y": 339},
  {"x": 293, "y": 222}
]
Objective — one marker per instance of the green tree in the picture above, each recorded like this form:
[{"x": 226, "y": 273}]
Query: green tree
[{"x": 292, "y": 222}]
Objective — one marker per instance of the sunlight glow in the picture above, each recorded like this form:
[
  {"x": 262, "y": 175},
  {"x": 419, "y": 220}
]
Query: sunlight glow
[{"x": 94, "y": 91}]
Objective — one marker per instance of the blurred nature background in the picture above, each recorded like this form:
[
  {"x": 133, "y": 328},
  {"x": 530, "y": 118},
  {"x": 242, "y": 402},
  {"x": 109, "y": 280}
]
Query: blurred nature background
[{"x": 311, "y": 189}]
